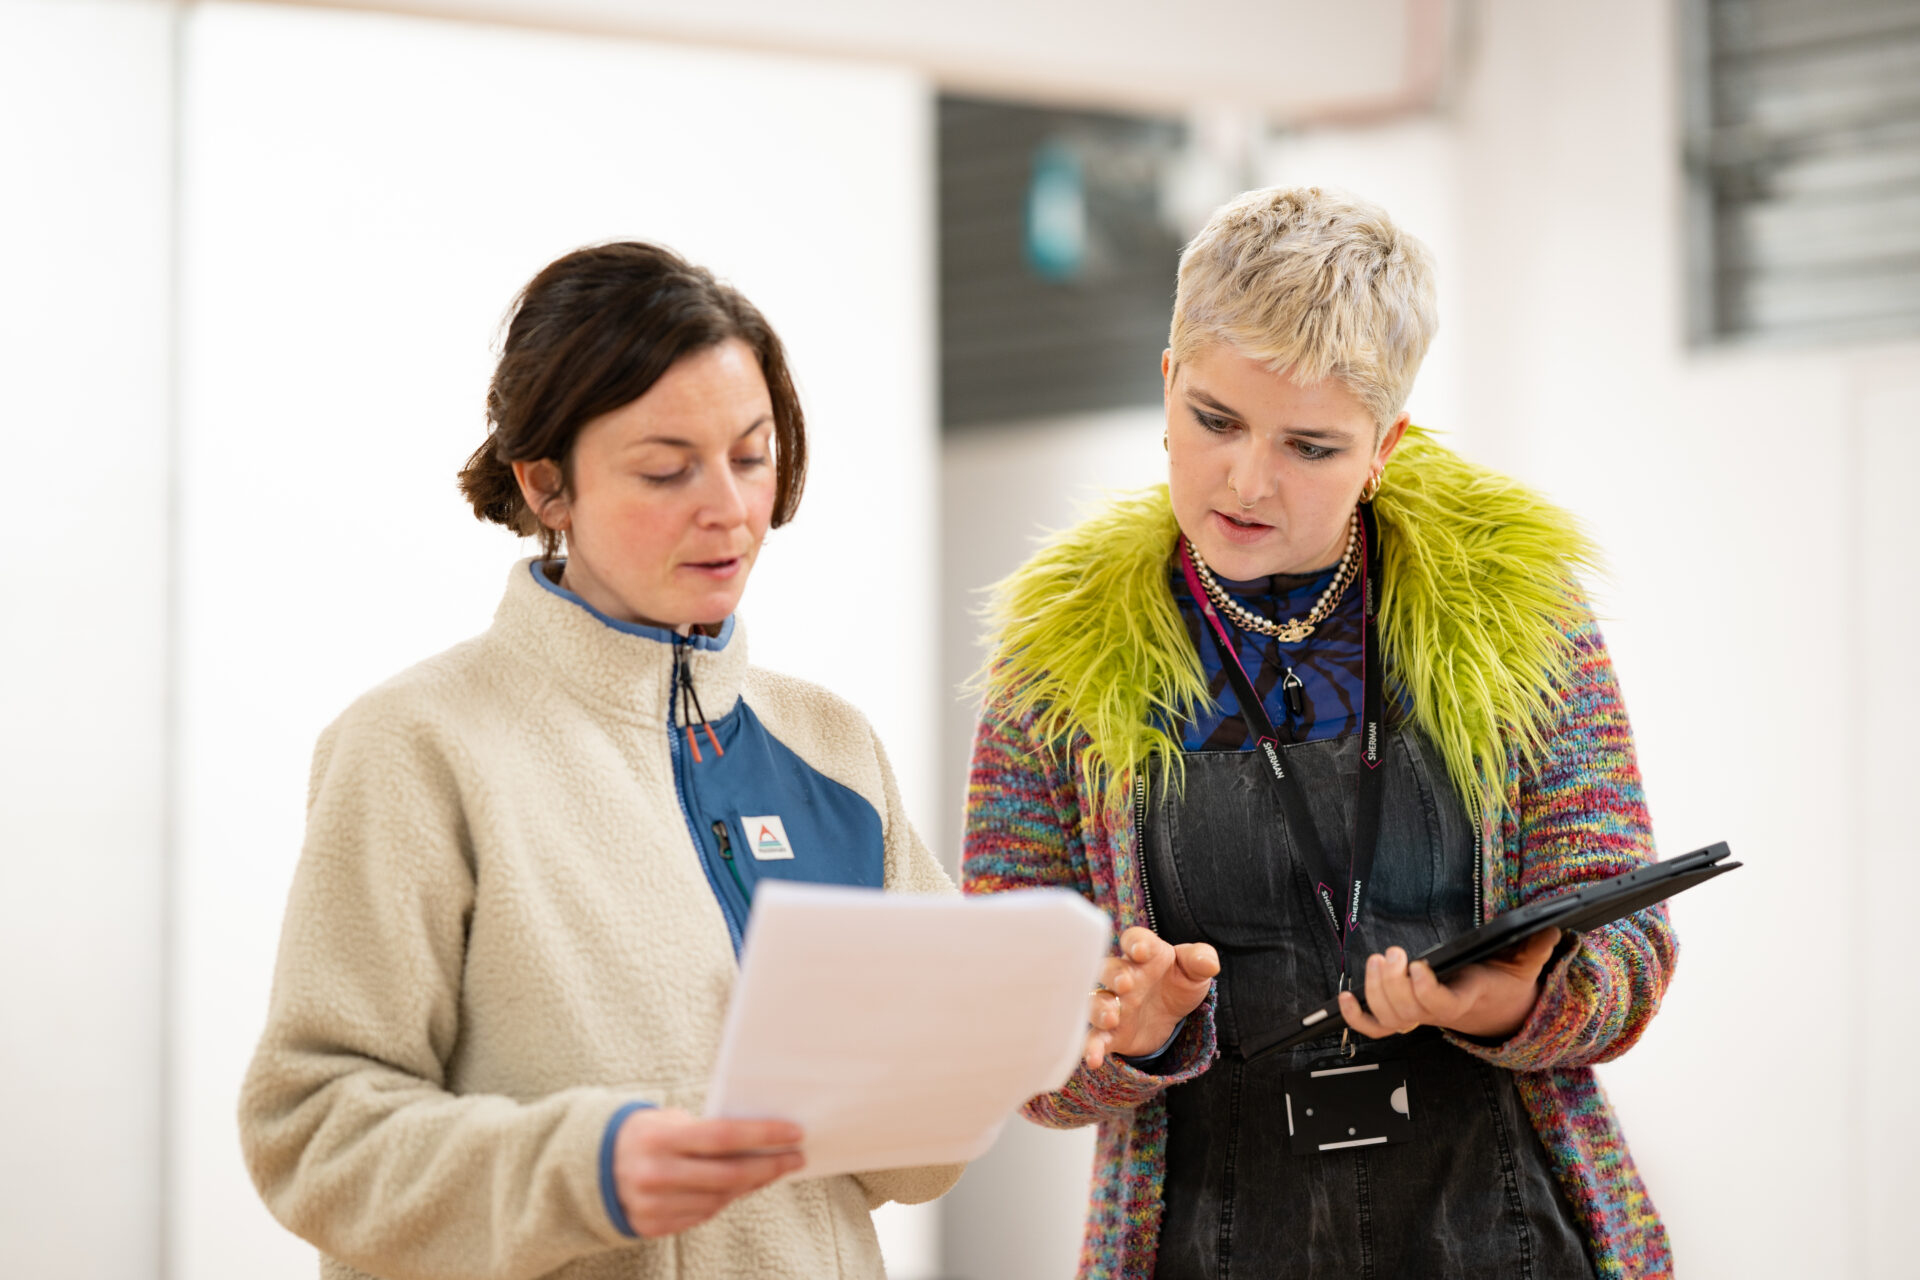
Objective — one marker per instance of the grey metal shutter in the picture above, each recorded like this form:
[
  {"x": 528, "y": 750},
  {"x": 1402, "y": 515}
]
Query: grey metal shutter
[
  {"x": 1803, "y": 162},
  {"x": 1056, "y": 265}
]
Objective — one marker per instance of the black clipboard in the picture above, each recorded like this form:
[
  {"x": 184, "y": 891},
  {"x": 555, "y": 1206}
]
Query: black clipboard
[{"x": 1577, "y": 910}]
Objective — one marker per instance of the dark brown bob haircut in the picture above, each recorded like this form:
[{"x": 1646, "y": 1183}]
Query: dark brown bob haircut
[{"x": 592, "y": 332}]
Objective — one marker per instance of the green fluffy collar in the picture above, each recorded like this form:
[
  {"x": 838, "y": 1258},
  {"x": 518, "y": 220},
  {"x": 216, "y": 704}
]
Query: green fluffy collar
[{"x": 1478, "y": 597}]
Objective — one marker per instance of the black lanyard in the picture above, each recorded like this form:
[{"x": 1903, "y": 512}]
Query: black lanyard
[{"x": 1371, "y": 783}]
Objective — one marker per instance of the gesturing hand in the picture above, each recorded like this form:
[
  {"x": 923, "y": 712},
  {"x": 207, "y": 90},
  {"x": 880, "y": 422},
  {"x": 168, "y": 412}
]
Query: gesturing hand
[
  {"x": 1489, "y": 999},
  {"x": 1145, "y": 991},
  {"x": 674, "y": 1171}
]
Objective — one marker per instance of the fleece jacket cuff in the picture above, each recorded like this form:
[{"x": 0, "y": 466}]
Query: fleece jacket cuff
[{"x": 609, "y": 1193}]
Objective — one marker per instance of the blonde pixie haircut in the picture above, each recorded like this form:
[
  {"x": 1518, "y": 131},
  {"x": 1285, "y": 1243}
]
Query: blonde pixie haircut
[{"x": 1313, "y": 283}]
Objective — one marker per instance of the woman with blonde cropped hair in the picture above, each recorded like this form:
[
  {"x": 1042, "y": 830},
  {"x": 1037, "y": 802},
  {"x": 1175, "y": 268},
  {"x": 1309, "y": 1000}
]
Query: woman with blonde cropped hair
[{"x": 1331, "y": 696}]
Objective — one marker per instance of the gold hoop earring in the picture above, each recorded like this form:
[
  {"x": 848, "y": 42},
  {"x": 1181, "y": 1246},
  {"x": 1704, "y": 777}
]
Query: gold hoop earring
[
  {"x": 1163, "y": 440},
  {"x": 1372, "y": 488}
]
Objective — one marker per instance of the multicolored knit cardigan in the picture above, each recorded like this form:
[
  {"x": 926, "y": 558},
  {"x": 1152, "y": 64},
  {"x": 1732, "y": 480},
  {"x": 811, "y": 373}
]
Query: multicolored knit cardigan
[{"x": 1491, "y": 646}]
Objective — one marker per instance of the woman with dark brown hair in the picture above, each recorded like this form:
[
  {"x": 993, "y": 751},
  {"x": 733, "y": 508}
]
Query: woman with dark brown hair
[{"x": 529, "y": 860}]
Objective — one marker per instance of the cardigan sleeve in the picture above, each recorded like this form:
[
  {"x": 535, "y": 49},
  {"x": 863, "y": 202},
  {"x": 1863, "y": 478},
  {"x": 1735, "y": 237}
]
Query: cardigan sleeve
[
  {"x": 346, "y": 1122},
  {"x": 1578, "y": 815},
  {"x": 1025, "y": 829}
]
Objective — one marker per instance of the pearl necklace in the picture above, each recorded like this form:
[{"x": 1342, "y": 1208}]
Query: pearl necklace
[{"x": 1293, "y": 630}]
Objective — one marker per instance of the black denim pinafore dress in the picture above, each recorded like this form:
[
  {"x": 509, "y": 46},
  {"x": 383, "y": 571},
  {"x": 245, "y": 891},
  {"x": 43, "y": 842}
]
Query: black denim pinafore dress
[{"x": 1472, "y": 1194}]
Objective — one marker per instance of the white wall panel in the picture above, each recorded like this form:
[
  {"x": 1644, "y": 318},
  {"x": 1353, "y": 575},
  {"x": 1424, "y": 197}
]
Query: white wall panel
[
  {"x": 85, "y": 101},
  {"x": 1877, "y": 897},
  {"x": 362, "y": 196}
]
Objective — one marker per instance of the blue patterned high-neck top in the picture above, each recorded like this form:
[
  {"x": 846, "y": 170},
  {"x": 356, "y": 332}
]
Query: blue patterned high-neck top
[{"x": 1328, "y": 663}]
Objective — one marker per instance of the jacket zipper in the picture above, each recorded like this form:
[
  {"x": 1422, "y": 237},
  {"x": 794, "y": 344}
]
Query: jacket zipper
[
  {"x": 1140, "y": 844},
  {"x": 680, "y": 779},
  {"x": 726, "y": 855}
]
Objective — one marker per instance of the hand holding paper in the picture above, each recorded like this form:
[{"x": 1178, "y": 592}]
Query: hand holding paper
[
  {"x": 901, "y": 1031},
  {"x": 672, "y": 1171}
]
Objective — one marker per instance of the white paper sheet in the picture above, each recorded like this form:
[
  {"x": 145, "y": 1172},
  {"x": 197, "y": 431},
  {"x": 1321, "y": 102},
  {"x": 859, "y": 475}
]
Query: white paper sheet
[{"x": 900, "y": 1029}]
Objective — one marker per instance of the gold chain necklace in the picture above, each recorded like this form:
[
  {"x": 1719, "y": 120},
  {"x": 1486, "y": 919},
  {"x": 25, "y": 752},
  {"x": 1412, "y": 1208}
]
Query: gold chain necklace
[{"x": 1293, "y": 630}]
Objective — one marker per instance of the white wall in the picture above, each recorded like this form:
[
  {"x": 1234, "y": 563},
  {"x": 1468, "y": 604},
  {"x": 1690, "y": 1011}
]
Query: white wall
[
  {"x": 85, "y": 151},
  {"x": 1884, "y": 1120},
  {"x": 362, "y": 195}
]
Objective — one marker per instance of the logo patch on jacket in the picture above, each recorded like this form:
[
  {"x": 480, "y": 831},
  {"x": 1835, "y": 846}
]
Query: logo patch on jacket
[{"x": 767, "y": 838}]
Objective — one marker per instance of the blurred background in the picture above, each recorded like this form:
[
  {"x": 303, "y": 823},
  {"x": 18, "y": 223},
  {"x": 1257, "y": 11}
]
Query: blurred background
[{"x": 255, "y": 257}]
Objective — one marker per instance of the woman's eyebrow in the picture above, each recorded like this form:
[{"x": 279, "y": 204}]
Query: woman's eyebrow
[
  {"x": 1195, "y": 393},
  {"x": 677, "y": 442},
  {"x": 1308, "y": 433}
]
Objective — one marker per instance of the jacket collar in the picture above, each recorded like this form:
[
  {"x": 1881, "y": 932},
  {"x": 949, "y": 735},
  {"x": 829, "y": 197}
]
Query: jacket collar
[
  {"x": 1480, "y": 590},
  {"x": 625, "y": 667}
]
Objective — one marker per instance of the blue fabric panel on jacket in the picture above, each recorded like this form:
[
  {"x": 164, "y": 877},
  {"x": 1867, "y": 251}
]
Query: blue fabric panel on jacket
[{"x": 782, "y": 819}]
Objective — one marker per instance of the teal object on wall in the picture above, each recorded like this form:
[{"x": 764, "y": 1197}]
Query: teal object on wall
[{"x": 1056, "y": 222}]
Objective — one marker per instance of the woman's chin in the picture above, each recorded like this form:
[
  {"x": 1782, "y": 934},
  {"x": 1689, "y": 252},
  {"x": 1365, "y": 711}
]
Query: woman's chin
[
  {"x": 705, "y": 599},
  {"x": 712, "y": 610},
  {"x": 1237, "y": 562},
  {"x": 698, "y": 611}
]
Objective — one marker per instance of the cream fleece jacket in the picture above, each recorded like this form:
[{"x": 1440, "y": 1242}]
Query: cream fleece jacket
[{"x": 499, "y": 933}]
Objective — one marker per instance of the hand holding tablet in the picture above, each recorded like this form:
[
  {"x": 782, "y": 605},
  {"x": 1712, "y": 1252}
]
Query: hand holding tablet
[{"x": 1587, "y": 907}]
